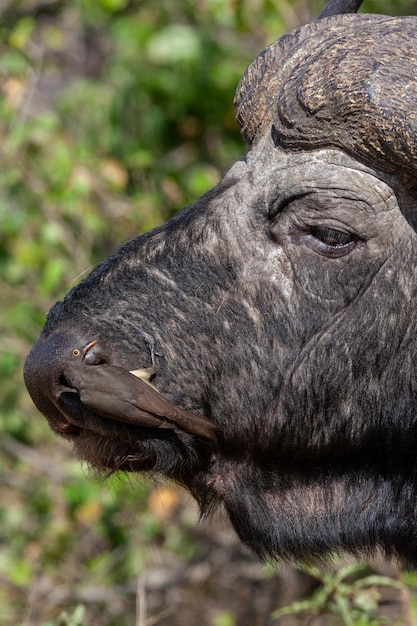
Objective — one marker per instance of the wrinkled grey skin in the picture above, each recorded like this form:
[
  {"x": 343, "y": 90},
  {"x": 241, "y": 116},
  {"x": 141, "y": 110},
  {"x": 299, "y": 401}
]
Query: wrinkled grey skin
[{"x": 299, "y": 343}]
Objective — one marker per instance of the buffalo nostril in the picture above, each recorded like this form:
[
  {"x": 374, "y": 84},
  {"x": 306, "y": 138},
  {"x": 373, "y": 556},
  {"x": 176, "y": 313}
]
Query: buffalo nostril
[{"x": 64, "y": 382}]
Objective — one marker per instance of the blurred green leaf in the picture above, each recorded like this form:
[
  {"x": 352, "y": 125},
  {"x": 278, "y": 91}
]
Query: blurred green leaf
[
  {"x": 77, "y": 618},
  {"x": 224, "y": 619},
  {"x": 174, "y": 44},
  {"x": 21, "y": 33}
]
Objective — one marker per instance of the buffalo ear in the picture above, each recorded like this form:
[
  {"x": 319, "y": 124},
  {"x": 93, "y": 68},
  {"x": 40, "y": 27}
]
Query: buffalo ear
[{"x": 339, "y": 7}]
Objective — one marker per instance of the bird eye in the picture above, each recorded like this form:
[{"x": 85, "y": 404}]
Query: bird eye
[{"x": 76, "y": 352}]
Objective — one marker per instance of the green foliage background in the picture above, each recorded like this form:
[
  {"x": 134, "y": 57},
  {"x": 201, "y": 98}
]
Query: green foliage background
[{"x": 114, "y": 114}]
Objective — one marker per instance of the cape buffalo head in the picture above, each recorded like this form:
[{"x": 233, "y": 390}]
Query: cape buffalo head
[{"x": 275, "y": 316}]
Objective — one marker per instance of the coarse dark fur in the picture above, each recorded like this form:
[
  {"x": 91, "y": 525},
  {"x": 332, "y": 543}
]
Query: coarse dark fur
[{"x": 281, "y": 306}]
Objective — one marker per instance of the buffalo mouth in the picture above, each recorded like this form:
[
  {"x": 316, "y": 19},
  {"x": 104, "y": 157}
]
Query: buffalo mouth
[
  {"x": 109, "y": 446},
  {"x": 104, "y": 443}
]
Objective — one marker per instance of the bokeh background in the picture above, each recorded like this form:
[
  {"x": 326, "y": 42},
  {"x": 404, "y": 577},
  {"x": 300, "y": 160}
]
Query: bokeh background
[{"x": 114, "y": 114}]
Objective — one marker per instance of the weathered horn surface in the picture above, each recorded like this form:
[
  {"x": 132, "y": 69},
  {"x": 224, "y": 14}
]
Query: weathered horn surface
[
  {"x": 347, "y": 81},
  {"x": 339, "y": 7}
]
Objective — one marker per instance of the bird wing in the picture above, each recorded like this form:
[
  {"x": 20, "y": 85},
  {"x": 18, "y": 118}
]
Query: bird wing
[{"x": 115, "y": 393}]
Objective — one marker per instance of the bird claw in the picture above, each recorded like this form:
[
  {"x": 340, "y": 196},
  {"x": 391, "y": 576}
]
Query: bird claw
[{"x": 150, "y": 342}]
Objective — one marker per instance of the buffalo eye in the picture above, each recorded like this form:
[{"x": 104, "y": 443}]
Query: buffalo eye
[
  {"x": 331, "y": 237},
  {"x": 331, "y": 242}
]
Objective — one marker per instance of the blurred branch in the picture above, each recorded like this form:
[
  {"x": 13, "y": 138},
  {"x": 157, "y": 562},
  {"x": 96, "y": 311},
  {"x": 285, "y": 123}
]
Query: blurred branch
[{"x": 34, "y": 459}]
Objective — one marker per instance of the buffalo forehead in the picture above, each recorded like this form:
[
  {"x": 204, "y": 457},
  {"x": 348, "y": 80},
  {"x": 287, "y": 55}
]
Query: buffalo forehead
[{"x": 281, "y": 174}]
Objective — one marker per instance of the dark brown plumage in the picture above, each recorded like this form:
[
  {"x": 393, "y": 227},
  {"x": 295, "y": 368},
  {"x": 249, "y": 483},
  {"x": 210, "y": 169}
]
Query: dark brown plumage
[{"x": 115, "y": 393}]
